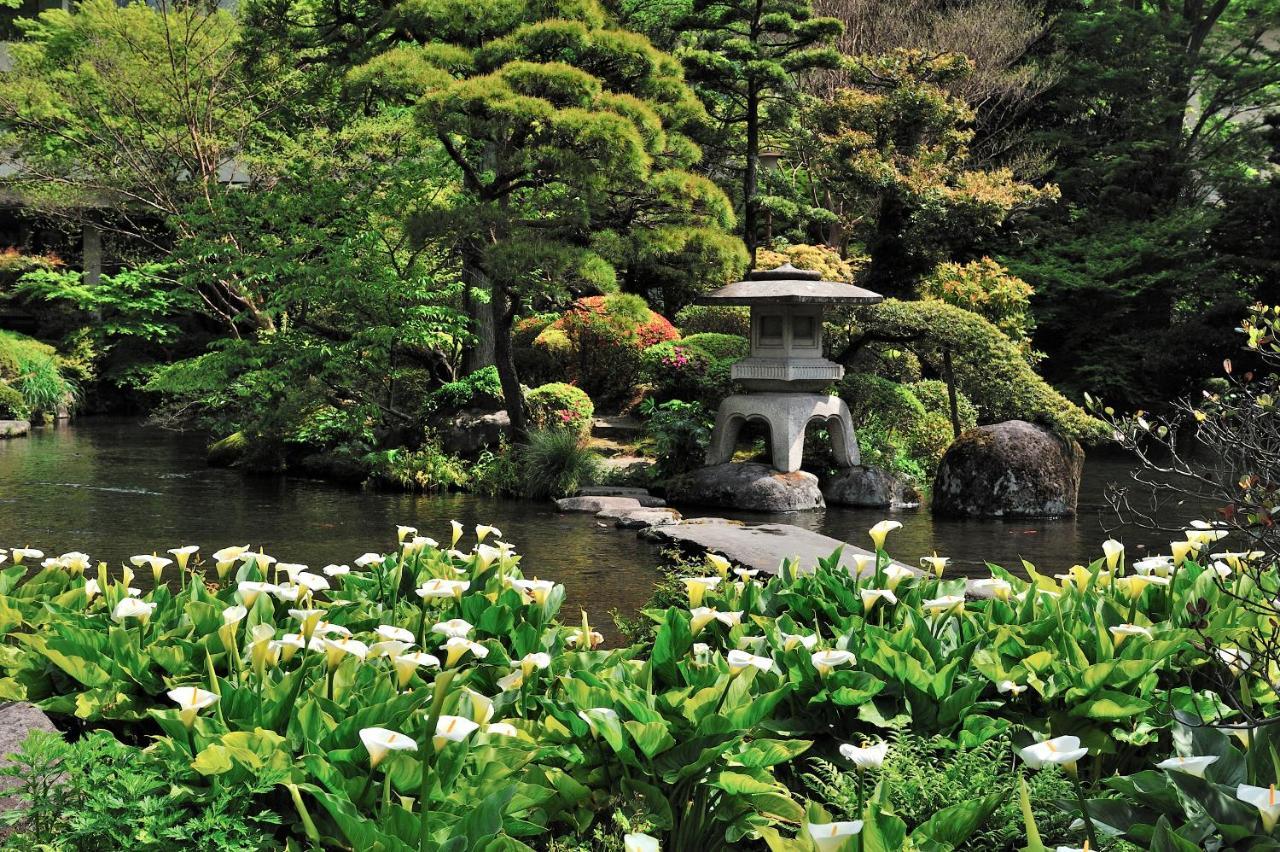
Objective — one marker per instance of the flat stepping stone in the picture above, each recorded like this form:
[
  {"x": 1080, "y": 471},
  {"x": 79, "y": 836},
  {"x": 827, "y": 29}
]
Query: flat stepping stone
[
  {"x": 761, "y": 547},
  {"x": 594, "y": 505},
  {"x": 638, "y": 519},
  {"x": 616, "y": 428},
  {"x": 639, "y": 494}
]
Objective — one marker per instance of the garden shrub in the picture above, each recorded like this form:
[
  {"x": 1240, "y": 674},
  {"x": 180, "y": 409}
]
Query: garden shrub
[
  {"x": 821, "y": 259},
  {"x": 597, "y": 344},
  {"x": 696, "y": 368},
  {"x": 989, "y": 290},
  {"x": 895, "y": 430},
  {"x": 480, "y": 389},
  {"x": 427, "y": 469},
  {"x": 680, "y": 433},
  {"x": 560, "y": 406},
  {"x": 989, "y": 368},
  {"x": 535, "y": 364},
  {"x": 556, "y": 463},
  {"x": 35, "y": 371},
  {"x": 12, "y": 404},
  {"x": 728, "y": 319},
  {"x": 933, "y": 395}
]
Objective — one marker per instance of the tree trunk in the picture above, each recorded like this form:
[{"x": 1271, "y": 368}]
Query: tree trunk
[
  {"x": 749, "y": 178},
  {"x": 952, "y": 401},
  {"x": 481, "y": 352},
  {"x": 502, "y": 313},
  {"x": 892, "y": 270}
]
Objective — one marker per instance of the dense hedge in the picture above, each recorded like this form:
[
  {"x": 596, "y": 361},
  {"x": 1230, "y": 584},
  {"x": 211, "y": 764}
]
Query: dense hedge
[
  {"x": 695, "y": 369},
  {"x": 597, "y": 344},
  {"x": 697, "y": 319},
  {"x": 560, "y": 406}
]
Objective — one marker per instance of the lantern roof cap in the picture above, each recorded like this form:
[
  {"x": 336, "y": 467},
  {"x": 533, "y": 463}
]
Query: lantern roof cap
[{"x": 787, "y": 285}]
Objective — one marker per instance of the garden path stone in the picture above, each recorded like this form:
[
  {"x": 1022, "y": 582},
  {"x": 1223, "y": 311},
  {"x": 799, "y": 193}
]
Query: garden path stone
[
  {"x": 640, "y": 494},
  {"x": 595, "y": 505},
  {"x": 759, "y": 546},
  {"x": 17, "y": 719},
  {"x": 637, "y": 519},
  {"x": 748, "y": 486}
]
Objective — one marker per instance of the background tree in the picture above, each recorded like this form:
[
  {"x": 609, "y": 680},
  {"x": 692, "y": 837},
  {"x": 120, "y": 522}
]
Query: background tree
[
  {"x": 746, "y": 57},
  {"x": 559, "y": 125},
  {"x": 892, "y": 154}
]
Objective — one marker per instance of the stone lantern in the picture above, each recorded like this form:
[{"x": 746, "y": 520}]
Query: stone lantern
[{"x": 785, "y": 371}]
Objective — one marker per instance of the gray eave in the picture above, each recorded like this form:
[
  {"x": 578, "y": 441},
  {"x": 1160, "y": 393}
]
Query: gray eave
[{"x": 791, "y": 291}]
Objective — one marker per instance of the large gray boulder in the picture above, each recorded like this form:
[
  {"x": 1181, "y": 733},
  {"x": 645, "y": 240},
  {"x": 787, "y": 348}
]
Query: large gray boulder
[
  {"x": 1013, "y": 469},
  {"x": 869, "y": 488},
  {"x": 14, "y": 428},
  {"x": 748, "y": 486},
  {"x": 470, "y": 431},
  {"x": 17, "y": 720}
]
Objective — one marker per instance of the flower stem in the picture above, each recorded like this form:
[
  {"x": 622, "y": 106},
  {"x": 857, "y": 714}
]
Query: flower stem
[{"x": 1084, "y": 812}]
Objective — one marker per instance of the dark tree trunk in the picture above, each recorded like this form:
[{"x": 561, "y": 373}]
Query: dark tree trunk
[
  {"x": 749, "y": 178},
  {"x": 481, "y": 352},
  {"x": 892, "y": 270},
  {"x": 503, "y": 313}
]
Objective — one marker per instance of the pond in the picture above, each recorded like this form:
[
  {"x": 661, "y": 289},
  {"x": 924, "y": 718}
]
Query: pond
[{"x": 113, "y": 488}]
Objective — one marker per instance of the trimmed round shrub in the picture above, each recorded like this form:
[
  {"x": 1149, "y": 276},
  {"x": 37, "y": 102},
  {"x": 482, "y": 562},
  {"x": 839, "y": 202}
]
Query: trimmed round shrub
[
  {"x": 560, "y": 406},
  {"x": 598, "y": 343},
  {"x": 12, "y": 404},
  {"x": 695, "y": 369},
  {"x": 698, "y": 319},
  {"x": 481, "y": 389}
]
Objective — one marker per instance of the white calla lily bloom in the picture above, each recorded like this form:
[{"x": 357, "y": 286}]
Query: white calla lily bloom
[
  {"x": 1063, "y": 751},
  {"x": 191, "y": 700},
  {"x": 870, "y": 597},
  {"x": 1113, "y": 552},
  {"x": 740, "y": 660},
  {"x": 456, "y": 646},
  {"x": 407, "y": 664},
  {"x": 866, "y": 756},
  {"x": 895, "y": 574},
  {"x": 395, "y": 633},
  {"x": 133, "y": 608},
  {"x": 825, "y": 661},
  {"x": 453, "y": 729},
  {"x": 830, "y": 836},
  {"x": 1008, "y": 687},
  {"x": 640, "y": 843},
  {"x": 1265, "y": 800},
  {"x": 881, "y": 531},
  {"x": 453, "y": 627},
  {"x": 535, "y": 590},
  {"x": 336, "y": 570},
  {"x": 1192, "y": 765},
  {"x": 1123, "y": 631},
  {"x": 380, "y": 742}
]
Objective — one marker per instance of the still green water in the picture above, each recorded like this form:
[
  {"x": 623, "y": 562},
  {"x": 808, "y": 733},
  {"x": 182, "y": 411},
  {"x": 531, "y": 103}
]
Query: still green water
[{"x": 113, "y": 488}]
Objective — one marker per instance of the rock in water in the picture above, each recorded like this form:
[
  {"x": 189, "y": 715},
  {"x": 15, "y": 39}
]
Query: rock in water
[
  {"x": 749, "y": 486},
  {"x": 1013, "y": 469},
  {"x": 869, "y": 488},
  {"x": 468, "y": 432}
]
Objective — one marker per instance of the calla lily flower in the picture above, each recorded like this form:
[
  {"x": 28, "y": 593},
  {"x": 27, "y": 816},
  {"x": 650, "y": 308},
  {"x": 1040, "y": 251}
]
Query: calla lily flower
[
  {"x": 935, "y": 563},
  {"x": 793, "y": 640},
  {"x": 21, "y": 553},
  {"x": 530, "y": 663},
  {"x": 453, "y": 627},
  {"x": 895, "y": 574},
  {"x": 483, "y": 530},
  {"x": 1180, "y": 550},
  {"x": 1063, "y": 751},
  {"x": 863, "y": 563},
  {"x": 404, "y": 532},
  {"x": 993, "y": 587},
  {"x": 417, "y": 544},
  {"x": 457, "y": 533},
  {"x": 133, "y": 608},
  {"x": 1123, "y": 631},
  {"x": 262, "y": 560},
  {"x": 1008, "y": 687},
  {"x": 640, "y": 843},
  {"x": 288, "y": 592},
  {"x": 719, "y": 563},
  {"x": 1236, "y": 660},
  {"x": 511, "y": 682},
  {"x": 452, "y": 729},
  {"x": 700, "y": 617},
  {"x": 439, "y": 589},
  {"x": 591, "y": 639},
  {"x": 380, "y": 742},
  {"x": 739, "y": 660},
  {"x": 388, "y": 648},
  {"x": 309, "y": 618},
  {"x": 501, "y": 729},
  {"x": 365, "y": 560},
  {"x": 75, "y": 561},
  {"x": 535, "y": 590},
  {"x": 1161, "y": 566},
  {"x": 1135, "y": 584},
  {"x": 457, "y": 646},
  {"x": 233, "y": 615},
  {"x": 393, "y": 632},
  {"x": 698, "y": 587},
  {"x": 1113, "y": 551},
  {"x": 292, "y": 569},
  {"x": 745, "y": 575},
  {"x": 183, "y": 554},
  {"x": 336, "y": 570},
  {"x": 1264, "y": 799},
  {"x": 946, "y": 604},
  {"x": 481, "y": 706},
  {"x": 831, "y": 836},
  {"x": 1194, "y": 765},
  {"x": 865, "y": 757},
  {"x": 1076, "y": 575},
  {"x": 406, "y": 664},
  {"x": 156, "y": 563},
  {"x": 871, "y": 596},
  {"x": 825, "y": 661},
  {"x": 881, "y": 531},
  {"x": 336, "y": 648},
  {"x": 91, "y": 588},
  {"x": 226, "y": 557},
  {"x": 250, "y": 589},
  {"x": 312, "y": 583},
  {"x": 191, "y": 700}
]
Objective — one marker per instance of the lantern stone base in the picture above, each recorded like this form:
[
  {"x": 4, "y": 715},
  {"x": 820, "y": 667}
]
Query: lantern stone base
[{"x": 787, "y": 416}]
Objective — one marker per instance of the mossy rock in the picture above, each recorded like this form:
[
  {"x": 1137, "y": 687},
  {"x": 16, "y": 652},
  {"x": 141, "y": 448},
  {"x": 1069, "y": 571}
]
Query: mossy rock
[
  {"x": 1013, "y": 469},
  {"x": 227, "y": 451}
]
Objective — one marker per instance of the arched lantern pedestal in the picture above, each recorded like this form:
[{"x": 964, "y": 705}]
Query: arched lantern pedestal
[{"x": 785, "y": 370}]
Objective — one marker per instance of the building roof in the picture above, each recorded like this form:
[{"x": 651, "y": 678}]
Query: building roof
[{"x": 787, "y": 285}]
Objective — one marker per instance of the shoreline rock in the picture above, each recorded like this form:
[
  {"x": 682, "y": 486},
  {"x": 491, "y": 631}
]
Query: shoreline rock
[
  {"x": 748, "y": 486},
  {"x": 1013, "y": 469},
  {"x": 14, "y": 428},
  {"x": 869, "y": 488}
]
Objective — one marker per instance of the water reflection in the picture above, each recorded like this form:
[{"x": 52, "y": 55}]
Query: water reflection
[{"x": 112, "y": 489}]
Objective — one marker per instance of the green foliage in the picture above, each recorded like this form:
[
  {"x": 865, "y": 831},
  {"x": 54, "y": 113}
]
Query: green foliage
[
  {"x": 699, "y": 319},
  {"x": 425, "y": 469},
  {"x": 680, "y": 433},
  {"x": 13, "y": 406},
  {"x": 496, "y": 473},
  {"x": 696, "y": 368},
  {"x": 556, "y": 462},
  {"x": 986, "y": 288},
  {"x": 480, "y": 389},
  {"x": 989, "y": 369},
  {"x": 34, "y": 370},
  {"x": 560, "y": 407},
  {"x": 99, "y": 794},
  {"x": 598, "y": 344},
  {"x": 821, "y": 259},
  {"x": 895, "y": 431}
]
